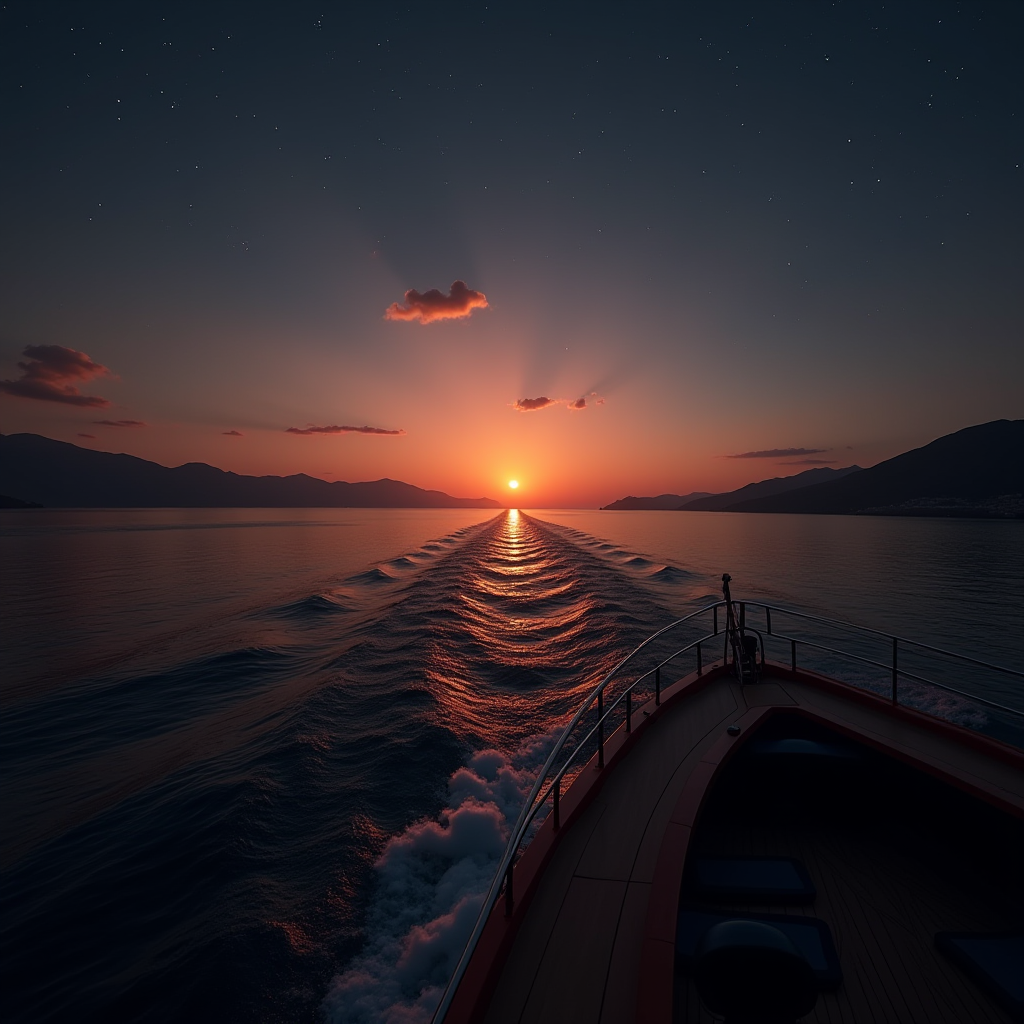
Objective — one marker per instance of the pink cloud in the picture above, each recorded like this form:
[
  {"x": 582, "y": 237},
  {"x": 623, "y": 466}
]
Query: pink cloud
[
  {"x": 343, "y": 430},
  {"x": 534, "y": 404},
  {"x": 426, "y": 307},
  {"x": 92, "y": 437},
  {"x": 48, "y": 373},
  {"x": 120, "y": 423},
  {"x": 233, "y": 433}
]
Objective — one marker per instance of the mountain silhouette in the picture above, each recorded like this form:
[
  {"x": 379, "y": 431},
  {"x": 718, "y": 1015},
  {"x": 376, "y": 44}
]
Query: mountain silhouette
[
  {"x": 661, "y": 501},
  {"x": 978, "y": 471},
  {"x": 765, "y": 488},
  {"x": 60, "y": 475}
]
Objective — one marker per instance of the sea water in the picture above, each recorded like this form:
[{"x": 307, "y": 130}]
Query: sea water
[{"x": 260, "y": 764}]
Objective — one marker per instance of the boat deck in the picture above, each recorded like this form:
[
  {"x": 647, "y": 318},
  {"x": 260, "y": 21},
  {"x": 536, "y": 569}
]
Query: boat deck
[
  {"x": 883, "y": 906},
  {"x": 577, "y": 953}
]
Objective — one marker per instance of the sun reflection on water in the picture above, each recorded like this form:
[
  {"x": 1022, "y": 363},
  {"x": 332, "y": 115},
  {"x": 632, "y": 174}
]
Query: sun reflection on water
[{"x": 527, "y": 620}]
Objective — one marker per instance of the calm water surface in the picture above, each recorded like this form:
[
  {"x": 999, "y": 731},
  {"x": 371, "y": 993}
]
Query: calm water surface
[{"x": 258, "y": 764}]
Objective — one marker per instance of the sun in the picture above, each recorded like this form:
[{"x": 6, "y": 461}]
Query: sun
[{"x": 513, "y": 484}]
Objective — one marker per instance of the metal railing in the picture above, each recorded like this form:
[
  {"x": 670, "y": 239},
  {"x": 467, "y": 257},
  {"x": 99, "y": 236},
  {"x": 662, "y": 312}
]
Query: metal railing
[
  {"x": 891, "y": 666},
  {"x": 548, "y": 784}
]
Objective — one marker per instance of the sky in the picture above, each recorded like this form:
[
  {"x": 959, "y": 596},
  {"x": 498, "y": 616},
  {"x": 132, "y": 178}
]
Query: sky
[{"x": 597, "y": 248}]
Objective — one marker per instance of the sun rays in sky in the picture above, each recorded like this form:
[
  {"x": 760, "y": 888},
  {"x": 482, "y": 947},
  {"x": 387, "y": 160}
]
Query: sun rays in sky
[{"x": 364, "y": 250}]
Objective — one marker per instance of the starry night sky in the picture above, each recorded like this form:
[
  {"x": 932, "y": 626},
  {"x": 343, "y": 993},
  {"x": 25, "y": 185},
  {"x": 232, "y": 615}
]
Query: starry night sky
[{"x": 730, "y": 227}]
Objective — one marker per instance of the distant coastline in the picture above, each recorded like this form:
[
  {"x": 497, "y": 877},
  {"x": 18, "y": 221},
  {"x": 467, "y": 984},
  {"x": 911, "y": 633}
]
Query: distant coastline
[
  {"x": 977, "y": 472},
  {"x": 660, "y": 502},
  {"x": 703, "y": 501},
  {"x": 6, "y": 501}
]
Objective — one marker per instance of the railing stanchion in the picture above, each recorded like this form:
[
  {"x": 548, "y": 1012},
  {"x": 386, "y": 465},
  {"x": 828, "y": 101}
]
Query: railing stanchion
[
  {"x": 509, "y": 902},
  {"x": 743, "y": 616},
  {"x": 657, "y": 686},
  {"x": 716, "y": 620},
  {"x": 554, "y": 809},
  {"x": 768, "y": 617},
  {"x": 629, "y": 710},
  {"x": 895, "y": 673},
  {"x": 700, "y": 661},
  {"x": 600, "y": 729},
  {"x": 792, "y": 655}
]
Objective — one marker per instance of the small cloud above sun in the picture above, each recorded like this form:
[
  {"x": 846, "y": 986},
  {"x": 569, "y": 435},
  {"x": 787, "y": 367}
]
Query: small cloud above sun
[{"x": 513, "y": 484}]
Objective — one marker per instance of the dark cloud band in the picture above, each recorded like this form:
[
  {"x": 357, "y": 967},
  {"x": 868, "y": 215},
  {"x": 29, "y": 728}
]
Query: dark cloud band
[
  {"x": 534, "y": 404},
  {"x": 307, "y": 431},
  {"x": 778, "y": 453},
  {"x": 48, "y": 373}
]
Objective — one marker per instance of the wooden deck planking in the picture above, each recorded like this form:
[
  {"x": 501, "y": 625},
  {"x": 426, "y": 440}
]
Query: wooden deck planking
[
  {"x": 650, "y": 780},
  {"x": 517, "y": 976},
  {"x": 766, "y": 694},
  {"x": 579, "y": 948},
  {"x": 658, "y": 769},
  {"x": 603, "y": 865},
  {"x": 619, "y": 1003},
  {"x": 647, "y": 853}
]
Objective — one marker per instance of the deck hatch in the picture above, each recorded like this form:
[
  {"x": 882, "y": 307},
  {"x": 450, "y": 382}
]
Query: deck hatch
[{"x": 811, "y": 937}]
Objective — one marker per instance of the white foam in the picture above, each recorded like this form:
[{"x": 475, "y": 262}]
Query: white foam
[{"x": 431, "y": 880}]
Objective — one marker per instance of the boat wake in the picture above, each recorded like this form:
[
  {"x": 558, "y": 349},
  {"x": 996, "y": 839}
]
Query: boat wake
[
  {"x": 431, "y": 880},
  {"x": 523, "y": 620}
]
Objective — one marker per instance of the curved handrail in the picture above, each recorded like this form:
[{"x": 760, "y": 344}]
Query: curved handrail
[
  {"x": 528, "y": 812},
  {"x": 539, "y": 803},
  {"x": 540, "y": 794}
]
